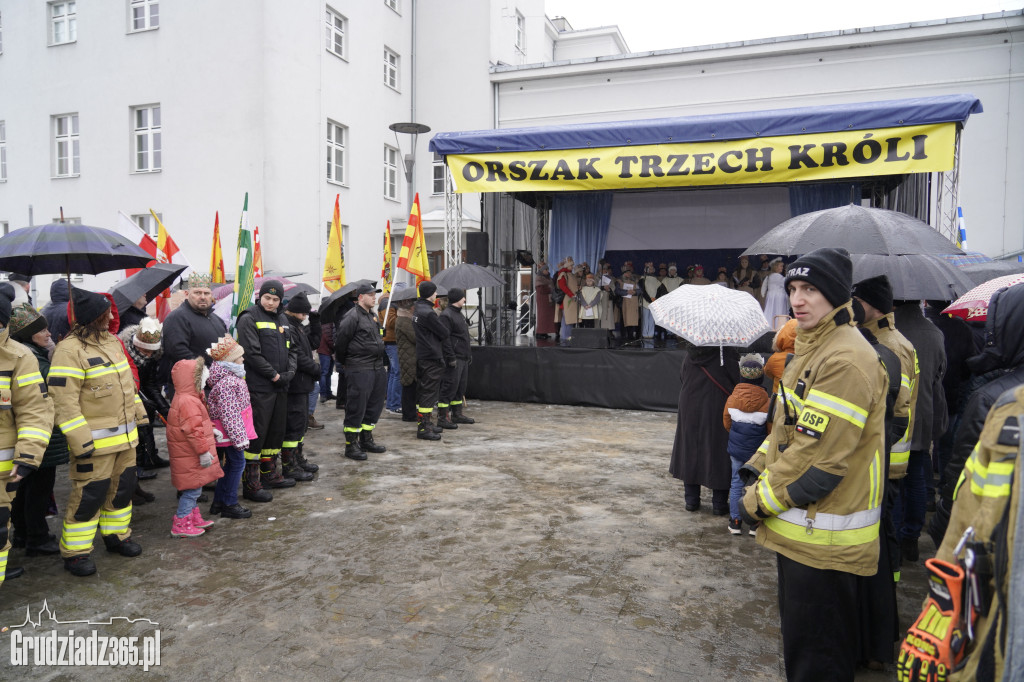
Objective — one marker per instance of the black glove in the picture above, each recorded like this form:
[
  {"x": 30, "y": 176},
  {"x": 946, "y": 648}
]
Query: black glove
[
  {"x": 285, "y": 378},
  {"x": 748, "y": 474},
  {"x": 24, "y": 470},
  {"x": 747, "y": 518},
  {"x": 453, "y": 363}
]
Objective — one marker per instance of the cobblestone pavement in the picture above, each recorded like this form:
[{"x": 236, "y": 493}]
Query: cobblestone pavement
[{"x": 542, "y": 543}]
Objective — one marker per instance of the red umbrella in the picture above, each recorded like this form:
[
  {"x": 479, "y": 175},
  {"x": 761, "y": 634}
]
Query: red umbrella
[{"x": 973, "y": 306}]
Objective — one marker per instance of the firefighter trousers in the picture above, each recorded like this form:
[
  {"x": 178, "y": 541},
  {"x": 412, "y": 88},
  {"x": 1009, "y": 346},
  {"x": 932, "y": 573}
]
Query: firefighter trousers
[
  {"x": 296, "y": 419},
  {"x": 269, "y": 416},
  {"x": 366, "y": 392},
  {"x": 101, "y": 497}
]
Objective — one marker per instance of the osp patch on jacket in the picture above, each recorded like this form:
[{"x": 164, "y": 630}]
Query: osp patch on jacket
[{"x": 812, "y": 423}]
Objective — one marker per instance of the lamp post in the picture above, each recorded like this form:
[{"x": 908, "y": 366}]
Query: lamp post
[{"x": 408, "y": 160}]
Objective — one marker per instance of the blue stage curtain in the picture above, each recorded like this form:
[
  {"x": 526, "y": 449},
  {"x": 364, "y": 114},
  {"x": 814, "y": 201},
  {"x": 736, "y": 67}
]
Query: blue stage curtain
[
  {"x": 805, "y": 198},
  {"x": 579, "y": 225}
]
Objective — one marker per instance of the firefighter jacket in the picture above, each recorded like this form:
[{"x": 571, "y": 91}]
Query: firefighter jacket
[
  {"x": 26, "y": 411},
  {"x": 431, "y": 336},
  {"x": 820, "y": 485},
  {"x": 268, "y": 349},
  {"x": 884, "y": 329},
  {"x": 94, "y": 397},
  {"x": 988, "y": 499},
  {"x": 359, "y": 340},
  {"x": 307, "y": 366},
  {"x": 458, "y": 330}
]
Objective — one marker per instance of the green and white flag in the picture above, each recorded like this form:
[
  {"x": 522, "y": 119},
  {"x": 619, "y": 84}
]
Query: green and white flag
[{"x": 245, "y": 286}]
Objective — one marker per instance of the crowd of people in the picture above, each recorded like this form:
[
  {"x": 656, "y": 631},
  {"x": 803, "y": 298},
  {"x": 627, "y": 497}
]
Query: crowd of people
[
  {"x": 577, "y": 297},
  {"x": 874, "y": 419},
  {"x": 83, "y": 383}
]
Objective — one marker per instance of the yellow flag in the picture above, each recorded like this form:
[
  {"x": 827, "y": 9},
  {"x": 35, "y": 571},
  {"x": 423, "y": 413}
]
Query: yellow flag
[
  {"x": 334, "y": 265},
  {"x": 217, "y": 255}
]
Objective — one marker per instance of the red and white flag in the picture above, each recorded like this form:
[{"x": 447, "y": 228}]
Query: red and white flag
[{"x": 126, "y": 227}]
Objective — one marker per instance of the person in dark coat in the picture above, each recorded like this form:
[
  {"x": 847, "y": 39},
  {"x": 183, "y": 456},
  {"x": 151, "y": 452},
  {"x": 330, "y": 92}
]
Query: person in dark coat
[
  {"x": 132, "y": 315},
  {"x": 342, "y": 395},
  {"x": 433, "y": 354},
  {"x": 453, "y": 386},
  {"x": 307, "y": 374},
  {"x": 314, "y": 336},
  {"x": 700, "y": 452},
  {"x": 913, "y": 490},
  {"x": 1004, "y": 351},
  {"x": 543, "y": 286},
  {"x": 56, "y": 311},
  {"x": 28, "y": 509},
  {"x": 405, "y": 338},
  {"x": 359, "y": 349},
  {"x": 190, "y": 329}
]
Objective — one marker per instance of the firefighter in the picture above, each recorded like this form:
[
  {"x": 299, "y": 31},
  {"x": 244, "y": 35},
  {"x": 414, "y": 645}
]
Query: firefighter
[
  {"x": 818, "y": 490},
  {"x": 307, "y": 373},
  {"x": 359, "y": 348},
  {"x": 433, "y": 355},
  {"x": 26, "y": 418},
  {"x": 453, "y": 387},
  {"x": 270, "y": 363},
  {"x": 99, "y": 413}
]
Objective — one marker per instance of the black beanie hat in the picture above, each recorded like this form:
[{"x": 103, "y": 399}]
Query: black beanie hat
[
  {"x": 6, "y": 298},
  {"x": 830, "y": 270},
  {"x": 427, "y": 289},
  {"x": 455, "y": 295},
  {"x": 88, "y": 306},
  {"x": 299, "y": 304},
  {"x": 876, "y": 292},
  {"x": 272, "y": 287}
]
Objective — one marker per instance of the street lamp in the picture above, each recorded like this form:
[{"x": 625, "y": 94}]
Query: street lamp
[{"x": 409, "y": 159}]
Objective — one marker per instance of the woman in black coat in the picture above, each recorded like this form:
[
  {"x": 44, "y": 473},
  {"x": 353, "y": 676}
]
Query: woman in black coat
[{"x": 699, "y": 456}]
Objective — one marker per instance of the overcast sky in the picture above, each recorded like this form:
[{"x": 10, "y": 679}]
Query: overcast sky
[{"x": 665, "y": 24}]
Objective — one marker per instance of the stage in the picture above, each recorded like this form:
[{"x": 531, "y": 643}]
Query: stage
[{"x": 539, "y": 371}]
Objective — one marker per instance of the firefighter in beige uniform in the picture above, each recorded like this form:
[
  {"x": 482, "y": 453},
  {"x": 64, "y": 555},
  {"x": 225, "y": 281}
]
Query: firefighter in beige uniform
[
  {"x": 818, "y": 495},
  {"x": 98, "y": 411},
  {"x": 26, "y": 419}
]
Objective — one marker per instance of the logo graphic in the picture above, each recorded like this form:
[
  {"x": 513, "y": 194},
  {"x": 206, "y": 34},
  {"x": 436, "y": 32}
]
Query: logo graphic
[{"x": 63, "y": 647}]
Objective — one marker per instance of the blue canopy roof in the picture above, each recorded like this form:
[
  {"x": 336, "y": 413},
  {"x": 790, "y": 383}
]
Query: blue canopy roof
[{"x": 715, "y": 127}]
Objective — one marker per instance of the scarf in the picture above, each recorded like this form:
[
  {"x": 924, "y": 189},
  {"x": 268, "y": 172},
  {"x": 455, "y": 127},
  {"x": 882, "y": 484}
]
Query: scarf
[{"x": 233, "y": 367}]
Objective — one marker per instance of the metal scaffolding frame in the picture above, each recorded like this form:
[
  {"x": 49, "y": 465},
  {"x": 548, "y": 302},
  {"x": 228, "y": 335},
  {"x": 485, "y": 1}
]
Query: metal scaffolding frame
[
  {"x": 947, "y": 197},
  {"x": 452, "y": 222}
]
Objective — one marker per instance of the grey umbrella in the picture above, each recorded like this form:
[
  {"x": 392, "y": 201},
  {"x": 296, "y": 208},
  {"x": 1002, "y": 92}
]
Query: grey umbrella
[
  {"x": 466, "y": 276},
  {"x": 914, "y": 277},
  {"x": 856, "y": 229},
  {"x": 329, "y": 306},
  {"x": 408, "y": 293},
  {"x": 979, "y": 273},
  {"x": 147, "y": 282}
]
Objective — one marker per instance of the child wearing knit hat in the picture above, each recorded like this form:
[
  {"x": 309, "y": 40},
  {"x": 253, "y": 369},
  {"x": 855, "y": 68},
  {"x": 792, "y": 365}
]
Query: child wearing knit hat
[
  {"x": 745, "y": 418},
  {"x": 231, "y": 414}
]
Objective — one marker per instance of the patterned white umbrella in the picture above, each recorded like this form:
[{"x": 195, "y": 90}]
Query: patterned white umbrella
[{"x": 711, "y": 315}]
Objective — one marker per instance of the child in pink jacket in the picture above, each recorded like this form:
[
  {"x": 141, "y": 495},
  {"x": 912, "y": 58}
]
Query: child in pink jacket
[
  {"x": 191, "y": 446},
  {"x": 231, "y": 413}
]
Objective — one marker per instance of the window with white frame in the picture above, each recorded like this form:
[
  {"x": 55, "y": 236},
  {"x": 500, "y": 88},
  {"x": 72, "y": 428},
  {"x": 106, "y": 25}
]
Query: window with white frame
[
  {"x": 439, "y": 170},
  {"x": 336, "y": 28},
  {"x": 337, "y": 135},
  {"x": 145, "y": 14},
  {"x": 390, "y": 173},
  {"x": 393, "y": 4},
  {"x": 3, "y": 151},
  {"x": 5, "y": 228},
  {"x": 65, "y": 146},
  {"x": 63, "y": 22},
  {"x": 146, "y": 139},
  {"x": 390, "y": 69},
  {"x": 147, "y": 224},
  {"x": 520, "y": 32}
]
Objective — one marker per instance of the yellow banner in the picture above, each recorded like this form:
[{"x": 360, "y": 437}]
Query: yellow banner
[{"x": 789, "y": 158}]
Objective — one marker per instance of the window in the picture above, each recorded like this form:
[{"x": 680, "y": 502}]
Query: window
[
  {"x": 390, "y": 69},
  {"x": 393, "y": 4},
  {"x": 145, "y": 14},
  {"x": 63, "y": 23},
  {"x": 390, "y": 173},
  {"x": 146, "y": 138},
  {"x": 147, "y": 224},
  {"x": 3, "y": 151},
  {"x": 5, "y": 228},
  {"x": 336, "y": 26},
  {"x": 65, "y": 146},
  {"x": 439, "y": 171},
  {"x": 520, "y": 32},
  {"x": 336, "y": 140}
]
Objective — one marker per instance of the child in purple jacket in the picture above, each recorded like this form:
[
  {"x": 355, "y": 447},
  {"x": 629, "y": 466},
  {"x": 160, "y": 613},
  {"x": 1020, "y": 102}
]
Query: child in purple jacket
[{"x": 231, "y": 414}]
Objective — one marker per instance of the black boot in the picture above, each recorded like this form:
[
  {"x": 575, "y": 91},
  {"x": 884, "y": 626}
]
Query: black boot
[
  {"x": 460, "y": 418},
  {"x": 367, "y": 445},
  {"x": 424, "y": 430},
  {"x": 301, "y": 460},
  {"x": 271, "y": 477},
  {"x": 290, "y": 468},
  {"x": 126, "y": 547},
  {"x": 252, "y": 489},
  {"x": 147, "y": 444},
  {"x": 352, "y": 449},
  {"x": 80, "y": 566},
  {"x": 442, "y": 419}
]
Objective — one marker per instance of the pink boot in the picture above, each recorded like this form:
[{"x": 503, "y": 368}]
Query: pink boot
[
  {"x": 198, "y": 521},
  {"x": 183, "y": 528}
]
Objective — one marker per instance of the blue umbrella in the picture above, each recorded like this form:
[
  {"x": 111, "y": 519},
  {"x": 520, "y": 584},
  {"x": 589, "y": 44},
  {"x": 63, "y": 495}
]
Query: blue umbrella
[{"x": 66, "y": 248}]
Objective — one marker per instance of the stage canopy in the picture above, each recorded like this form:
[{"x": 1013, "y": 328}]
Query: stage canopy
[{"x": 822, "y": 143}]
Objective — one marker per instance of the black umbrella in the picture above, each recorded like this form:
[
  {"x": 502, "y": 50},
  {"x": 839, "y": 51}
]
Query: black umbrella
[
  {"x": 67, "y": 248},
  {"x": 466, "y": 276},
  {"x": 147, "y": 282},
  {"x": 408, "y": 293},
  {"x": 979, "y": 273},
  {"x": 914, "y": 277},
  {"x": 856, "y": 229},
  {"x": 329, "y": 306}
]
